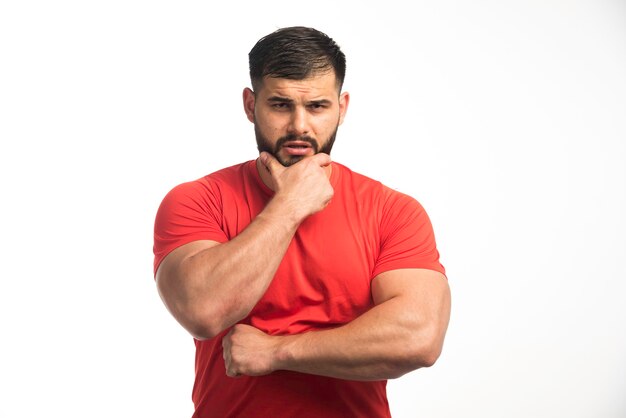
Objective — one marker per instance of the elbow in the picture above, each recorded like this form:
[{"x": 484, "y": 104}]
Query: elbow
[
  {"x": 412, "y": 358},
  {"x": 428, "y": 358},
  {"x": 418, "y": 359},
  {"x": 198, "y": 320},
  {"x": 195, "y": 315},
  {"x": 202, "y": 331},
  {"x": 427, "y": 353},
  {"x": 203, "y": 324},
  {"x": 426, "y": 343},
  {"x": 208, "y": 321},
  {"x": 423, "y": 351}
]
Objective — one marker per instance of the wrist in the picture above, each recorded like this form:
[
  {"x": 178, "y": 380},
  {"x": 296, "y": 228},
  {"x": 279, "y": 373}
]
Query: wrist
[
  {"x": 285, "y": 211},
  {"x": 284, "y": 354}
]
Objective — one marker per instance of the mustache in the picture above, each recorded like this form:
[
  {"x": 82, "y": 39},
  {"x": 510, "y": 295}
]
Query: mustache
[{"x": 293, "y": 137}]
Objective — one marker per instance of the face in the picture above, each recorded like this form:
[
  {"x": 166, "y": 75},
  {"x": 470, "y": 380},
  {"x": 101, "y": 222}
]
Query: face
[{"x": 294, "y": 119}]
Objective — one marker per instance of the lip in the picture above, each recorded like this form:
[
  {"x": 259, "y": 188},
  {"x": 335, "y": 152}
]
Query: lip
[
  {"x": 297, "y": 147},
  {"x": 297, "y": 144}
]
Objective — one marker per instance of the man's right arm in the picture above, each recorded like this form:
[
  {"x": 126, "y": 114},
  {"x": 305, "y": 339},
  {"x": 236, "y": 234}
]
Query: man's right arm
[{"x": 208, "y": 286}]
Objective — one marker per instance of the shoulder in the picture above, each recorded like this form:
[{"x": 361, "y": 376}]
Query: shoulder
[
  {"x": 368, "y": 188},
  {"x": 230, "y": 174},
  {"x": 205, "y": 194},
  {"x": 229, "y": 177},
  {"x": 349, "y": 180}
]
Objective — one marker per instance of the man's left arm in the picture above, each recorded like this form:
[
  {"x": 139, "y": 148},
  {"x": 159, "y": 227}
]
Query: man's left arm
[{"x": 404, "y": 331}]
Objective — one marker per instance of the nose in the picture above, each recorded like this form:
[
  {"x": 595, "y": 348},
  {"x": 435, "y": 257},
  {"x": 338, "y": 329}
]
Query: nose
[{"x": 299, "y": 123}]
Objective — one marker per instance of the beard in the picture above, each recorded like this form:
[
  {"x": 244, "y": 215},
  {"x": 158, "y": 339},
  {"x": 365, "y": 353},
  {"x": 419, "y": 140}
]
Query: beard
[{"x": 263, "y": 144}]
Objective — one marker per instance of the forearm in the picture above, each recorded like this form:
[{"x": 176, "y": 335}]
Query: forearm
[
  {"x": 402, "y": 332},
  {"x": 372, "y": 347},
  {"x": 220, "y": 285},
  {"x": 208, "y": 286}
]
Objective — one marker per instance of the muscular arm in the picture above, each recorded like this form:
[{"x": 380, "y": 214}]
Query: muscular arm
[
  {"x": 403, "y": 332},
  {"x": 209, "y": 286}
]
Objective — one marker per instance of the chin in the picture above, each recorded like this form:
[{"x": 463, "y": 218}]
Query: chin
[{"x": 290, "y": 160}]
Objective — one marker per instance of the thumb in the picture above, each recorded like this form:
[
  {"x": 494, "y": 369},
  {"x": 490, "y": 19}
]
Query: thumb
[{"x": 272, "y": 165}]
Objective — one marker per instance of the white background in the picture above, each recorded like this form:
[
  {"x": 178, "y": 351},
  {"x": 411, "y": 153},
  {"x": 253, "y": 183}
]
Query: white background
[{"x": 505, "y": 119}]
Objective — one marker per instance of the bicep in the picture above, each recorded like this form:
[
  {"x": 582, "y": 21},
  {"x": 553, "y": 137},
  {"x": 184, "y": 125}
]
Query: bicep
[
  {"x": 168, "y": 275},
  {"x": 425, "y": 292}
]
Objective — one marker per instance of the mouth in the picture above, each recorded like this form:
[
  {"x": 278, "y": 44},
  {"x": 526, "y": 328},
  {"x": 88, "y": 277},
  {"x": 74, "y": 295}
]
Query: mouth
[{"x": 297, "y": 147}]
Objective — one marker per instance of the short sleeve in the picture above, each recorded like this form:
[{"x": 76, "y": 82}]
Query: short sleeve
[
  {"x": 407, "y": 239},
  {"x": 189, "y": 212}
]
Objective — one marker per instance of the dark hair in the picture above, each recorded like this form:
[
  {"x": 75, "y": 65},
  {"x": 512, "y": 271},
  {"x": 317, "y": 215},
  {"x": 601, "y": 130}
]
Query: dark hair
[{"x": 295, "y": 53}]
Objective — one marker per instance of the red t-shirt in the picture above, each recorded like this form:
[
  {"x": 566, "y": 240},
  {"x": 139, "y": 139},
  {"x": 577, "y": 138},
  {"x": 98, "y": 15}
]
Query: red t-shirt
[{"x": 322, "y": 282}]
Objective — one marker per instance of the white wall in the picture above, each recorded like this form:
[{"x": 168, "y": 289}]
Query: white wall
[{"x": 506, "y": 119}]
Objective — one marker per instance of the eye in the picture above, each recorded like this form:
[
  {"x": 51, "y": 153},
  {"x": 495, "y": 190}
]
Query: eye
[
  {"x": 317, "y": 106},
  {"x": 280, "y": 106}
]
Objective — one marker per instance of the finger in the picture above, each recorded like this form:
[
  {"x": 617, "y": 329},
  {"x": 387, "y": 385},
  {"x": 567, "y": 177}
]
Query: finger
[
  {"x": 226, "y": 345},
  {"x": 231, "y": 371},
  {"x": 228, "y": 366},
  {"x": 322, "y": 159},
  {"x": 226, "y": 340},
  {"x": 271, "y": 164}
]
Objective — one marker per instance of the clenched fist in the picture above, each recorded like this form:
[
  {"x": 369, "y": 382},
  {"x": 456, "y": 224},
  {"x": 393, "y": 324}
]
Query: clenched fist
[{"x": 249, "y": 351}]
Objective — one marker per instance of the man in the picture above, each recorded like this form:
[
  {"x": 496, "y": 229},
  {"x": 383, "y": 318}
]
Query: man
[{"x": 305, "y": 285}]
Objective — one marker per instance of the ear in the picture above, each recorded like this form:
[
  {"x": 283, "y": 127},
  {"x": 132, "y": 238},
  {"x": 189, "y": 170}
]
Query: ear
[
  {"x": 344, "y": 100},
  {"x": 248, "y": 103}
]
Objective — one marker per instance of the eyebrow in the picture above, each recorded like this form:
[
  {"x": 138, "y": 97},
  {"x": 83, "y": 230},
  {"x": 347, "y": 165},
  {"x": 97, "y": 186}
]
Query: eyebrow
[
  {"x": 323, "y": 102},
  {"x": 279, "y": 99}
]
